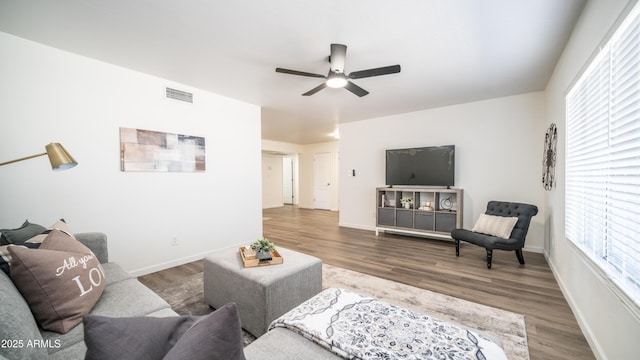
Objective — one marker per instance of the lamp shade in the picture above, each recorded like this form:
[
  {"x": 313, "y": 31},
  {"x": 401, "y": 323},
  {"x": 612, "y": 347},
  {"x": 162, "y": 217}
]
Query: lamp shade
[{"x": 59, "y": 157}]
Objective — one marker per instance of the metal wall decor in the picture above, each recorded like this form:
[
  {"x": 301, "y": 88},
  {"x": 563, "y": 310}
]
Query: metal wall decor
[{"x": 549, "y": 157}]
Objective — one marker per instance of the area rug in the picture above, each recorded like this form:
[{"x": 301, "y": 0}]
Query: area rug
[
  {"x": 507, "y": 326},
  {"x": 186, "y": 298}
]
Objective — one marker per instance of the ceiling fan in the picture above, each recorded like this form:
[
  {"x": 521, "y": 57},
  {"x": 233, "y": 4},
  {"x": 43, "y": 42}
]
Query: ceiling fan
[{"x": 337, "y": 78}]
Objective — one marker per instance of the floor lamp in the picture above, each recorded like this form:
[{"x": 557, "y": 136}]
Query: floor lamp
[{"x": 59, "y": 157}]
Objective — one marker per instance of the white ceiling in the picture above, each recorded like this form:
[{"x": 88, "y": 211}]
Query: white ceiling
[{"x": 451, "y": 52}]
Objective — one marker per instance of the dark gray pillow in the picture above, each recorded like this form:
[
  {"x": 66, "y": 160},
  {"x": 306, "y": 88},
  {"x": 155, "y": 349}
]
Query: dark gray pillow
[
  {"x": 215, "y": 336},
  {"x": 21, "y": 234},
  {"x": 134, "y": 337}
]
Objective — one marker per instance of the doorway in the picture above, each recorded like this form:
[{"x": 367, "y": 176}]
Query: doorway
[
  {"x": 322, "y": 181},
  {"x": 288, "y": 180}
]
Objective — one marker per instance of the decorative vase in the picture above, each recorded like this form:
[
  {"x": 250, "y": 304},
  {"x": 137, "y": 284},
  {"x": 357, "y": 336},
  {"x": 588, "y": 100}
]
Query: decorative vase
[
  {"x": 407, "y": 205},
  {"x": 263, "y": 255}
]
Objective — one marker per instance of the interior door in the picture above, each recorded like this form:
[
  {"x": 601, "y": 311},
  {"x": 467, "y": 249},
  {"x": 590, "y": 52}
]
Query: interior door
[
  {"x": 322, "y": 181},
  {"x": 287, "y": 180}
]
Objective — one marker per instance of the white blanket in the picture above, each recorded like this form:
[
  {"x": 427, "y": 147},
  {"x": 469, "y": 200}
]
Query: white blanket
[{"x": 359, "y": 327}]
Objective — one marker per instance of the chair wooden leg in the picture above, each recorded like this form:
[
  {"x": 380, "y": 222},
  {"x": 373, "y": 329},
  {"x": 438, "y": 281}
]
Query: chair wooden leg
[
  {"x": 457, "y": 247},
  {"x": 489, "y": 256},
  {"x": 519, "y": 256}
]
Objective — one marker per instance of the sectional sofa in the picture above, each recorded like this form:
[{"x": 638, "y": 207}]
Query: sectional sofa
[{"x": 124, "y": 296}]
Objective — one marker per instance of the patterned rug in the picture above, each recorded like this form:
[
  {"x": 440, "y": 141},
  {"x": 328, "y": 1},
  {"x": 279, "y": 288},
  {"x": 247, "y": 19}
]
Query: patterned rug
[
  {"x": 186, "y": 298},
  {"x": 505, "y": 325}
]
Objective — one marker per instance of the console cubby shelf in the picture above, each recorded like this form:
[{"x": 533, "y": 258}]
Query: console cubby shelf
[{"x": 432, "y": 212}]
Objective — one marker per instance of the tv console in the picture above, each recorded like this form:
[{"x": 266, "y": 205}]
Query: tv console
[{"x": 432, "y": 212}]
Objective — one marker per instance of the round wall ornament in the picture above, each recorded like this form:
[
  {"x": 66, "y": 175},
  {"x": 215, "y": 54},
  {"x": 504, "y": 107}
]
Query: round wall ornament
[
  {"x": 446, "y": 203},
  {"x": 549, "y": 157}
]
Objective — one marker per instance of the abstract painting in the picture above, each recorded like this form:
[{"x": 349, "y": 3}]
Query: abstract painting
[{"x": 146, "y": 150}]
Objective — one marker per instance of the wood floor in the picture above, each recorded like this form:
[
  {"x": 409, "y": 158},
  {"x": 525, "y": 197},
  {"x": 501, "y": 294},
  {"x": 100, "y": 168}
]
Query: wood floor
[{"x": 552, "y": 330}]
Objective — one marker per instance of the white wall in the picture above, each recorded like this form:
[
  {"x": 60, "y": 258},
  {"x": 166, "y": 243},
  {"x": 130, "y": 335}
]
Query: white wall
[
  {"x": 610, "y": 326},
  {"x": 54, "y": 96},
  {"x": 498, "y": 143},
  {"x": 272, "y": 187},
  {"x": 281, "y": 147}
]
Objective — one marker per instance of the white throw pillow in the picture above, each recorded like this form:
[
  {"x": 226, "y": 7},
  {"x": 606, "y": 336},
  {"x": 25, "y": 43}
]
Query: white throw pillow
[{"x": 500, "y": 226}]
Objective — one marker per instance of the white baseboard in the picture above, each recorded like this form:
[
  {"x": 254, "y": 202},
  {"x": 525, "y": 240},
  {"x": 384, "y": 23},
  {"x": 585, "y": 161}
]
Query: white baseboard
[
  {"x": 584, "y": 327},
  {"x": 168, "y": 264},
  {"x": 359, "y": 227},
  {"x": 273, "y": 206},
  {"x": 535, "y": 249}
]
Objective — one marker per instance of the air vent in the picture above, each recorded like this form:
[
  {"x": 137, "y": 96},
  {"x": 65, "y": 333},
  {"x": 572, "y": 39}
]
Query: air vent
[{"x": 179, "y": 95}]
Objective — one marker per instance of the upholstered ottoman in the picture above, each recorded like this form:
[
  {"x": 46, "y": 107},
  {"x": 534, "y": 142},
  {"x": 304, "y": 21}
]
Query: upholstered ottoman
[{"x": 263, "y": 293}]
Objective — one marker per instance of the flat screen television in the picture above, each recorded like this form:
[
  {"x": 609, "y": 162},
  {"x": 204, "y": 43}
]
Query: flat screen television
[{"x": 424, "y": 166}]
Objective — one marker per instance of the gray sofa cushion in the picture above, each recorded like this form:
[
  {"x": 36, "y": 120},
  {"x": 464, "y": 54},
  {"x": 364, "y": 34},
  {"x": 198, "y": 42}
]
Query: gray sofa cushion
[
  {"x": 128, "y": 298},
  {"x": 284, "y": 344},
  {"x": 166, "y": 312},
  {"x": 75, "y": 351},
  {"x": 114, "y": 273},
  {"x": 17, "y": 323},
  {"x": 97, "y": 242}
]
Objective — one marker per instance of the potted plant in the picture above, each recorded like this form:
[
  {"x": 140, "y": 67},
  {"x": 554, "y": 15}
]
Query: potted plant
[
  {"x": 263, "y": 248},
  {"x": 406, "y": 201}
]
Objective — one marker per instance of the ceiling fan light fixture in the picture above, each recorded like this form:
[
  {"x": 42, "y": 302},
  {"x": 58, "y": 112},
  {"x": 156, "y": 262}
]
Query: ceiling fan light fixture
[
  {"x": 336, "y": 81},
  {"x": 336, "y": 78}
]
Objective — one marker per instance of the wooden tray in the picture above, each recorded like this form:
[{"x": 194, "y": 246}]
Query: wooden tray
[{"x": 276, "y": 258}]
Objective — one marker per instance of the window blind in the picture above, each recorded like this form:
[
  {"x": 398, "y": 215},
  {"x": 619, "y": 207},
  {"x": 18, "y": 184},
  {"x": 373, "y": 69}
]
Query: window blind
[{"x": 602, "y": 198}]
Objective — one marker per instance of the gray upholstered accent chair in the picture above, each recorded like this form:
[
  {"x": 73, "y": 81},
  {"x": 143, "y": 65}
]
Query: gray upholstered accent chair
[{"x": 524, "y": 212}]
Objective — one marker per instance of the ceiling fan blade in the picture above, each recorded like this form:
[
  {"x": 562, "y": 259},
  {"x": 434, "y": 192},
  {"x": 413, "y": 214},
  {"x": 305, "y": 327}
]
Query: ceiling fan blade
[
  {"x": 338, "y": 57},
  {"x": 375, "y": 72},
  {"x": 355, "y": 89},
  {"x": 315, "y": 89},
  {"x": 300, "y": 73}
]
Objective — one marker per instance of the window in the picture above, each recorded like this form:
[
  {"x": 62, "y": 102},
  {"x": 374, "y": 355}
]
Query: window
[{"x": 602, "y": 196}]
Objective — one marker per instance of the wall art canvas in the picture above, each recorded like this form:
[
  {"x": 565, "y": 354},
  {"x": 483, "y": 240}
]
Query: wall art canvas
[{"x": 146, "y": 150}]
